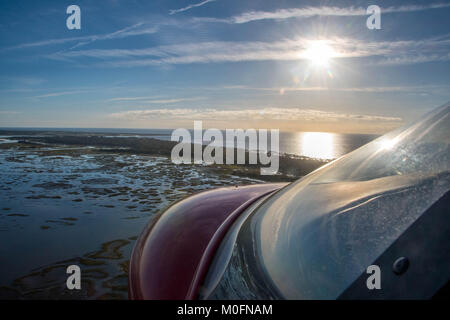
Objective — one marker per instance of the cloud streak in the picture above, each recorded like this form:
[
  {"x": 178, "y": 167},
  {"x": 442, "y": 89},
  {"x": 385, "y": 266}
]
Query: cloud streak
[
  {"x": 149, "y": 100},
  {"x": 308, "y": 12},
  {"x": 385, "y": 52},
  {"x": 171, "y": 12},
  {"x": 63, "y": 93},
  {"x": 134, "y": 30},
  {"x": 271, "y": 114},
  {"x": 9, "y": 112},
  {"x": 405, "y": 89},
  {"x": 119, "y": 99}
]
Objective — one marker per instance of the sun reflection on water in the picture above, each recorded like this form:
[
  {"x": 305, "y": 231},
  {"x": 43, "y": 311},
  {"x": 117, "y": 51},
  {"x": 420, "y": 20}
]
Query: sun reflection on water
[{"x": 317, "y": 145}]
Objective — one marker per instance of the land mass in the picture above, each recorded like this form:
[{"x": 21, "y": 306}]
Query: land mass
[{"x": 291, "y": 167}]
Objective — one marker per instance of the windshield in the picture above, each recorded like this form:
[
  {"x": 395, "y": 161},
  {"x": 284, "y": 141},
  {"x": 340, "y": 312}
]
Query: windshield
[{"x": 316, "y": 236}]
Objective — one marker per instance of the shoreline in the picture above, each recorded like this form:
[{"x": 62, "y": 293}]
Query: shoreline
[{"x": 291, "y": 167}]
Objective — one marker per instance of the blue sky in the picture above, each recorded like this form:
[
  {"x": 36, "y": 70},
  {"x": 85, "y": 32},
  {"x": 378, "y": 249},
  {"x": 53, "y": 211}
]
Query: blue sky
[{"x": 164, "y": 64}]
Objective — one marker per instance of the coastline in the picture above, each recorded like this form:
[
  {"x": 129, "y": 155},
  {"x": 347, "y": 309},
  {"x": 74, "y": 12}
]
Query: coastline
[{"x": 291, "y": 167}]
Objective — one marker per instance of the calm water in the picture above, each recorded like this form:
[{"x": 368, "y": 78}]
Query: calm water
[{"x": 320, "y": 145}]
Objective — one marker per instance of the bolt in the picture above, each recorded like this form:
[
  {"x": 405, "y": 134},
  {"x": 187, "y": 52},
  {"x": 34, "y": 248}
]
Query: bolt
[{"x": 400, "y": 265}]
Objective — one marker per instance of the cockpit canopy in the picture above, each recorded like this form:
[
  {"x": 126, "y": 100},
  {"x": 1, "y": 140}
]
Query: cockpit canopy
[{"x": 314, "y": 238}]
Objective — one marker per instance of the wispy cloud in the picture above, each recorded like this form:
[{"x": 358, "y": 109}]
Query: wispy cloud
[
  {"x": 283, "y": 114},
  {"x": 385, "y": 52},
  {"x": 63, "y": 93},
  {"x": 129, "y": 99},
  {"x": 190, "y": 7},
  {"x": 134, "y": 30},
  {"x": 6, "y": 112},
  {"x": 413, "y": 59},
  {"x": 28, "y": 81},
  {"x": 149, "y": 100},
  {"x": 406, "y": 89},
  {"x": 172, "y": 101},
  {"x": 307, "y": 12}
]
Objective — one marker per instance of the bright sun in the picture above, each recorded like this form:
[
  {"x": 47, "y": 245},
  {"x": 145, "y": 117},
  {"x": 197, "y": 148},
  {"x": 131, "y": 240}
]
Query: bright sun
[{"x": 319, "y": 53}]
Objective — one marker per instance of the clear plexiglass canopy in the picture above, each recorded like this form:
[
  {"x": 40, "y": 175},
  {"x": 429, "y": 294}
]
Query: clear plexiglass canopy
[{"x": 313, "y": 238}]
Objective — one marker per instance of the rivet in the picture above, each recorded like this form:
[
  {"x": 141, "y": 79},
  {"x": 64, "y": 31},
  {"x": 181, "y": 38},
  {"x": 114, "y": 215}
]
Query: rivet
[{"x": 400, "y": 265}]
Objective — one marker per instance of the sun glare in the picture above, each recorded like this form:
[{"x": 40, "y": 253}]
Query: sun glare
[
  {"x": 319, "y": 53},
  {"x": 319, "y": 145},
  {"x": 388, "y": 144}
]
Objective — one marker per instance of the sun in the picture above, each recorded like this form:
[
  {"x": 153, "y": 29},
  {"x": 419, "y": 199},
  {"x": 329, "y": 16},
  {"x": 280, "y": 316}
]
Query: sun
[{"x": 319, "y": 53}]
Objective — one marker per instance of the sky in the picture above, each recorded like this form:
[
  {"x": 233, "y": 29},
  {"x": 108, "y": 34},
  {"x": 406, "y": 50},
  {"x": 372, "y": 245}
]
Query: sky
[{"x": 288, "y": 65}]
